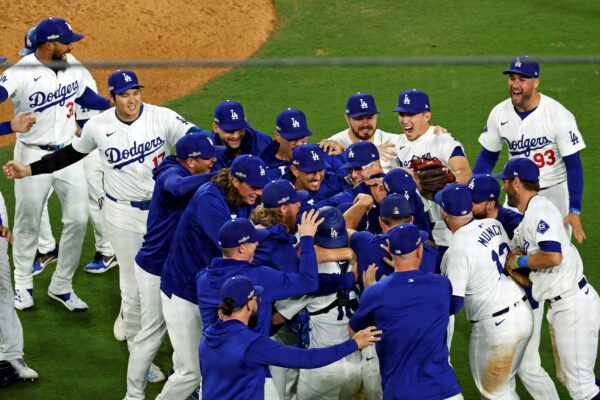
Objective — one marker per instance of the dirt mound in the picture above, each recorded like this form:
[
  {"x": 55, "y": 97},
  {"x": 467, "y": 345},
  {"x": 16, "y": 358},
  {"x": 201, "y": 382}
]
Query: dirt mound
[{"x": 156, "y": 30}]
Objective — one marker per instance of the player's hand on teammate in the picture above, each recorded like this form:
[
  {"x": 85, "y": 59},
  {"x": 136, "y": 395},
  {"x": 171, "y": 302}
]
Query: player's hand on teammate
[
  {"x": 367, "y": 337},
  {"x": 369, "y": 277},
  {"x": 22, "y": 122},
  {"x": 16, "y": 170},
  {"x": 365, "y": 200},
  {"x": 331, "y": 147},
  {"x": 386, "y": 151},
  {"x": 6, "y": 233},
  {"x": 574, "y": 220},
  {"x": 440, "y": 129},
  {"x": 386, "y": 247},
  {"x": 309, "y": 223}
]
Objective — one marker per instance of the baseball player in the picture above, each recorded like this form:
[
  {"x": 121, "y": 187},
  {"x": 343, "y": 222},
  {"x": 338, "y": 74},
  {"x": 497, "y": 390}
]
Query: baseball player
[
  {"x": 495, "y": 304},
  {"x": 231, "y": 193},
  {"x": 414, "y": 113},
  {"x": 537, "y": 127},
  {"x": 176, "y": 180},
  {"x": 485, "y": 191},
  {"x": 231, "y": 129},
  {"x": 51, "y": 92},
  {"x": 234, "y": 358},
  {"x": 411, "y": 309},
  {"x": 554, "y": 270}
]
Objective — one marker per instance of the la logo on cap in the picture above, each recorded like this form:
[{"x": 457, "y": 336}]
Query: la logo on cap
[
  {"x": 406, "y": 99},
  {"x": 363, "y": 104},
  {"x": 350, "y": 154},
  {"x": 126, "y": 77},
  {"x": 333, "y": 233},
  {"x": 234, "y": 115},
  {"x": 315, "y": 156},
  {"x": 295, "y": 123},
  {"x": 518, "y": 63}
]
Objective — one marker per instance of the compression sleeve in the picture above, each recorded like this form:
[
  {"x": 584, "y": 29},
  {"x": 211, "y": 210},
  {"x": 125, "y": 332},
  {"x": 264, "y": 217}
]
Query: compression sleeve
[
  {"x": 267, "y": 351},
  {"x": 3, "y": 94},
  {"x": 485, "y": 161},
  {"x": 456, "y": 303},
  {"x": 92, "y": 100},
  {"x": 551, "y": 246},
  {"x": 457, "y": 152},
  {"x": 57, "y": 160},
  {"x": 82, "y": 122},
  {"x": 574, "y": 180},
  {"x": 5, "y": 128}
]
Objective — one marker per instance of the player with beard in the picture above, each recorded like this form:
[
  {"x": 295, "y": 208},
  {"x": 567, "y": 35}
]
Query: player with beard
[
  {"x": 234, "y": 359},
  {"x": 232, "y": 130}
]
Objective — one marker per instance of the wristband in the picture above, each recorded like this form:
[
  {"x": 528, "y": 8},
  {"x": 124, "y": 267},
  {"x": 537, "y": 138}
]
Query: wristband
[
  {"x": 521, "y": 261},
  {"x": 575, "y": 211}
]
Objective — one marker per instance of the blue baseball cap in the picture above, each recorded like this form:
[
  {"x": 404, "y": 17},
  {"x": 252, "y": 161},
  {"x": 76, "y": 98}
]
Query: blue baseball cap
[
  {"x": 360, "y": 154},
  {"x": 521, "y": 167},
  {"x": 405, "y": 238},
  {"x": 399, "y": 181},
  {"x": 483, "y": 188},
  {"x": 280, "y": 192},
  {"x": 197, "y": 145},
  {"x": 240, "y": 289},
  {"x": 331, "y": 234},
  {"x": 524, "y": 65},
  {"x": 309, "y": 158},
  {"x": 2, "y": 59},
  {"x": 455, "y": 199},
  {"x": 291, "y": 124},
  {"x": 413, "y": 101},
  {"x": 229, "y": 116},
  {"x": 56, "y": 30},
  {"x": 239, "y": 231},
  {"x": 29, "y": 47},
  {"x": 250, "y": 169},
  {"x": 361, "y": 104},
  {"x": 395, "y": 205},
  {"x": 121, "y": 80}
]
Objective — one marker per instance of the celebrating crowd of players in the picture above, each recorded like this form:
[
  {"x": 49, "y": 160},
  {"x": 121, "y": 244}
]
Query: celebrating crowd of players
[{"x": 275, "y": 265}]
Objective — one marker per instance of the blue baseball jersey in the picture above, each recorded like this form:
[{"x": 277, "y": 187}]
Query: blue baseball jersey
[
  {"x": 277, "y": 250},
  {"x": 173, "y": 188},
  {"x": 412, "y": 309},
  {"x": 195, "y": 242},
  {"x": 509, "y": 219},
  {"x": 254, "y": 143}
]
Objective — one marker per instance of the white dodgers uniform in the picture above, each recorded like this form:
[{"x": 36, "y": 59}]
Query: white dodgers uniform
[
  {"x": 51, "y": 97},
  {"x": 379, "y": 137},
  {"x": 545, "y": 136},
  {"x": 495, "y": 305},
  {"x": 342, "y": 379},
  {"x": 430, "y": 145},
  {"x": 129, "y": 152},
  {"x": 574, "y": 306}
]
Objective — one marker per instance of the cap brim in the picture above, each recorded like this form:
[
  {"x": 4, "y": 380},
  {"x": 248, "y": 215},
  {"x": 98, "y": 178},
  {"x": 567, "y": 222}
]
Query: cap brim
[
  {"x": 311, "y": 169},
  {"x": 438, "y": 197},
  {"x": 232, "y": 126},
  {"x": 121, "y": 90},
  {"x": 299, "y": 196},
  {"x": 424, "y": 235},
  {"x": 2, "y": 59},
  {"x": 261, "y": 234},
  {"x": 361, "y": 113},
  {"x": 76, "y": 37},
  {"x": 217, "y": 151},
  {"x": 25, "y": 51},
  {"x": 408, "y": 110},
  {"x": 258, "y": 182},
  {"x": 333, "y": 243},
  {"x": 514, "y": 71},
  {"x": 351, "y": 164},
  {"x": 296, "y": 135},
  {"x": 258, "y": 290},
  {"x": 499, "y": 175}
]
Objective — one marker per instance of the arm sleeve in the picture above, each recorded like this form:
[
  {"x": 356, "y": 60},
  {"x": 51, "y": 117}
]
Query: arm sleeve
[
  {"x": 267, "y": 351},
  {"x": 486, "y": 161},
  {"x": 180, "y": 186},
  {"x": 3, "y": 94},
  {"x": 456, "y": 303},
  {"x": 92, "y": 100},
  {"x": 5, "y": 127},
  {"x": 196, "y": 129},
  {"x": 458, "y": 151},
  {"x": 57, "y": 160},
  {"x": 82, "y": 122},
  {"x": 551, "y": 246},
  {"x": 574, "y": 180}
]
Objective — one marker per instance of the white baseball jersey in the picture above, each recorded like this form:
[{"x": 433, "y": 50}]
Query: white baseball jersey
[
  {"x": 49, "y": 95},
  {"x": 474, "y": 263},
  {"x": 429, "y": 145},
  {"x": 129, "y": 152},
  {"x": 545, "y": 136},
  {"x": 379, "y": 137},
  {"x": 542, "y": 222}
]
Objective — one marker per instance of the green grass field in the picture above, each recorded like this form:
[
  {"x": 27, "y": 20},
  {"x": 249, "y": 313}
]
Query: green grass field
[{"x": 76, "y": 354}]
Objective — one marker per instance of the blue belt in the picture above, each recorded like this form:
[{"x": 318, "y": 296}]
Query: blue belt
[
  {"x": 52, "y": 148},
  {"x": 142, "y": 205},
  {"x": 581, "y": 285}
]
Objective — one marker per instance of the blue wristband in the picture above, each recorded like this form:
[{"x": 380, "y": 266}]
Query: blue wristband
[
  {"x": 522, "y": 262},
  {"x": 575, "y": 211}
]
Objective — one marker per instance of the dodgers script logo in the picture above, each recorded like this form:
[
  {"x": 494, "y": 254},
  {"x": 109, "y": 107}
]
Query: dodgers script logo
[
  {"x": 137, "y": 152},
  {"x": 43, "y": 100},
  {"x": 526, "y": 146}
]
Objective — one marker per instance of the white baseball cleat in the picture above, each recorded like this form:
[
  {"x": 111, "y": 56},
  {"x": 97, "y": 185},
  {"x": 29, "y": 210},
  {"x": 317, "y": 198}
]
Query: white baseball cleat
[
  {"x": 155, "y": 374},
  {"x": 70, "y": 300},
  {"x": 23, "y": 370},
  {"x": 24, "y": 299},
  {"x": 119, "y": 328}
]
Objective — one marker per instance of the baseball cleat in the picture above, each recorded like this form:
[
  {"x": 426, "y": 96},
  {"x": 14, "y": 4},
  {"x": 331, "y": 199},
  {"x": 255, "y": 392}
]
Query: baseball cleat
[
  {"x": 101, "y": 264},
  {"x": 42, "y": 260},
  {"x": 119, "y": 328},
  {"x": 24, "y": 299},
  {"x": 37, "y": 267},
  {"x": 196, "y": 394},
  {"x": 25, "y": 373},
  {"x": 70, "y": 300},
  {"x": 155, "y": 374}
]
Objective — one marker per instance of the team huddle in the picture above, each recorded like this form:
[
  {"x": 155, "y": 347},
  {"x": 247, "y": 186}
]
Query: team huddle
[{"x": 287, "y": 269}]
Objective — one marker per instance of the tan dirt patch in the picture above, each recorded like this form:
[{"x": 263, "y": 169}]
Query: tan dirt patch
[{"x": 151, "y": 30}]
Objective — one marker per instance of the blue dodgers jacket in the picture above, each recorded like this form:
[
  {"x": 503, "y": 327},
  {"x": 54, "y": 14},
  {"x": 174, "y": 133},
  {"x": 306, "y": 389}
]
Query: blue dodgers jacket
[
  {"x": 254, "y": 143},
  {"x": 234, "y": 360},
  {"x": 195, "y": 242},
  {"x": 173, "y": 189},
  {"x": 277, "y": 285}
]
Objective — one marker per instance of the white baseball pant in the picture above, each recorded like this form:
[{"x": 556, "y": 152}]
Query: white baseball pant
[
  {"x": 94, "y": 176},
  {"x": 339, "y": 380},
  {"x": 46, "y": 242},
  {"x": 371, "y": 377}
]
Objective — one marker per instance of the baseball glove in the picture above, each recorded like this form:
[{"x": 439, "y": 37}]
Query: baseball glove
[{"x": 432, "y": 176}]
